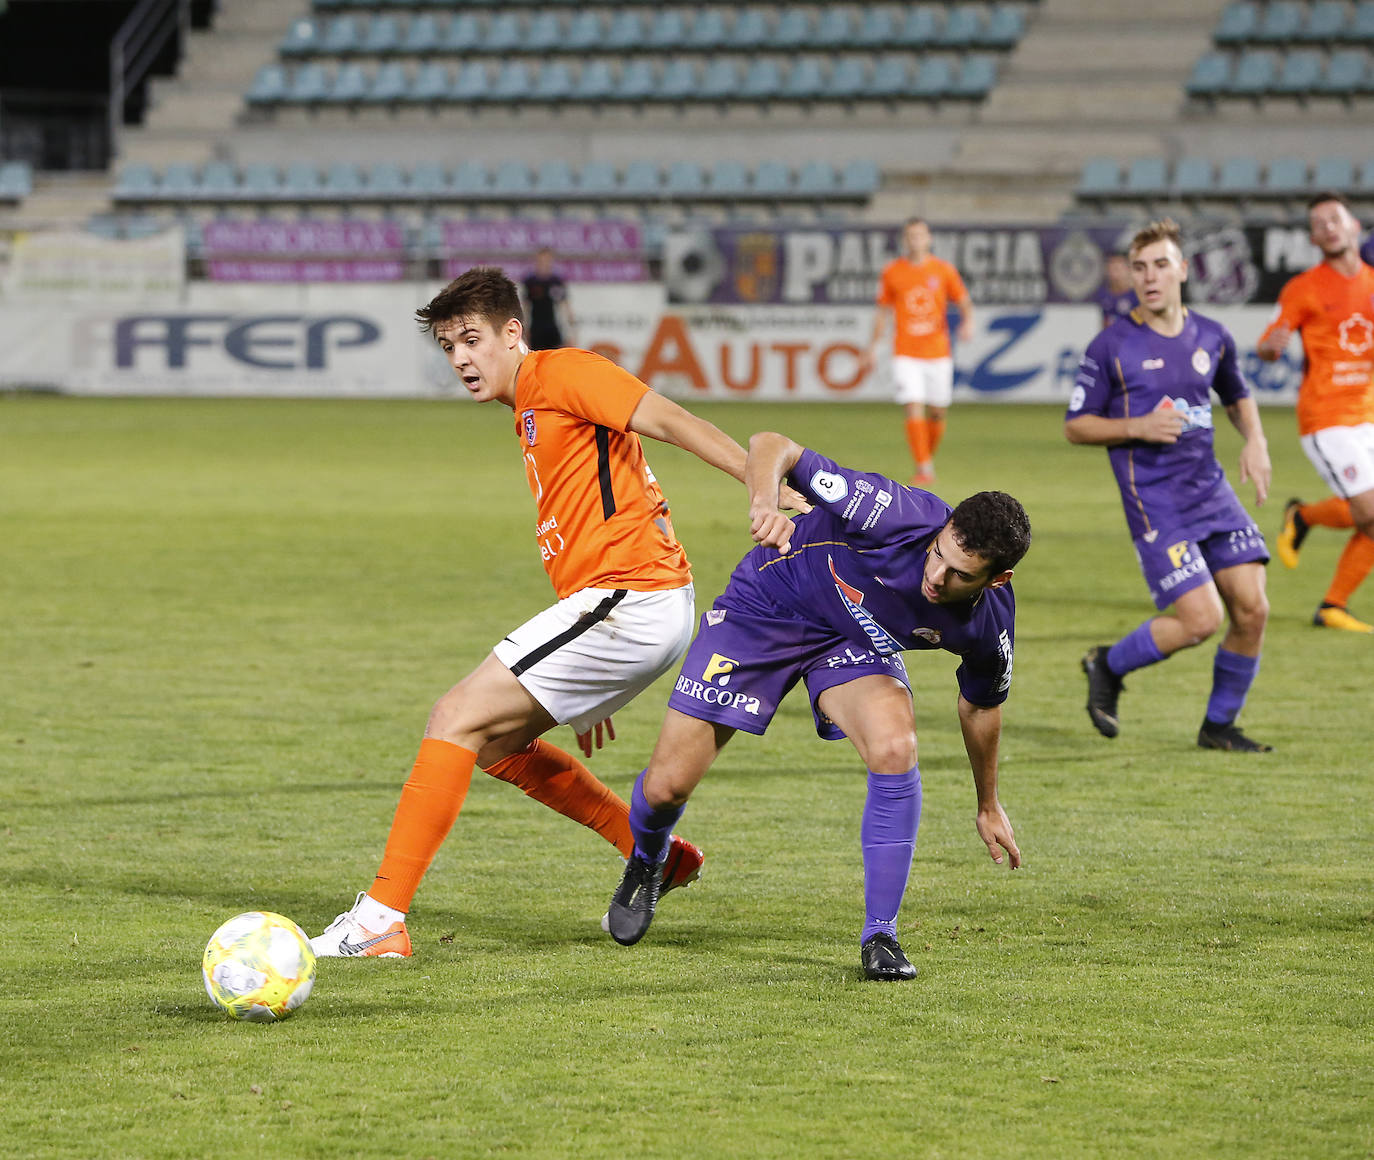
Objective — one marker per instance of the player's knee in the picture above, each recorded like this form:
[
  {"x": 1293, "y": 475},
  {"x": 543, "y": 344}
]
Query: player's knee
[
  {"x": 1252, "y": 615},
  {"x": 664, "y": 790},
  {"x": 1200, "y": 623},
  {"x": 893, "y": 753}
]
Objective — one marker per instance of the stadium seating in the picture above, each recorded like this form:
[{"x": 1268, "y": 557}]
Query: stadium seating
[{"x": 16, "y": 181}]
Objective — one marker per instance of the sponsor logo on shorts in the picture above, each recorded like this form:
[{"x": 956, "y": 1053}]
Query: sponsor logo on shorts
[
  {"x": 710, "y": 695},
  {"x": 527, "y": 425},
  {"x": 883, "y": 641},
  {"x": 1178, "y": 553},
  {"x": 718, "y": 666},
  {"x": 1185, "y": 564}
]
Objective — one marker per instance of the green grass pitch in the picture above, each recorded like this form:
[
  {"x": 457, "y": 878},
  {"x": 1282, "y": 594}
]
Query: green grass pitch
[{"x": 222, "y": 624}]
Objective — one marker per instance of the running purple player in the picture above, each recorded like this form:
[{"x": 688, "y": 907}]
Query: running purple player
[
  {"x": 832, "y": 598},
  {"x": 1144, "y": 392}
]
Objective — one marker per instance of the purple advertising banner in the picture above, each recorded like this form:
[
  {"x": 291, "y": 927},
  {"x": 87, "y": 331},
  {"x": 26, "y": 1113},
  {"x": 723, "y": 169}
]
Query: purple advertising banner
[
  {"x": 314, "y": 270},
  {"x": 1002, "y": 265},
  {"x": 569, "y": 269},
  {"x": 570, "y": 238},
  {"x": 351, "y": 239}
]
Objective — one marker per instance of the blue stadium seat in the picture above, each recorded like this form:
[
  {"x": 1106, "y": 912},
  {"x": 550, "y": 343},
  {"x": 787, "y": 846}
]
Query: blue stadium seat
[
  {"x": 729, "y": 179},
  {"x": 773, "y": 179},
  {"x": 833, "y": 30},
  {"x": 341, "y": 37},
  {"x": 308, "y": 85},
  {"x": 390, "y": 84},
  {"x": 816, "y": 179},
  {"x": 1324, "y": 23},
  {"x": 877, "y": 30},
  {"x": 762, "y": 80},
  {"x": 891, "y": 78},
  {"x": 471, "y": 83},
  {"x": 387, "y": 182},
  {"x": 351, "y": 84},
  {"x": 707, "y": 31},
  {"x": 848, "y": 79},
  {"x": 1238, "y": 23},
  {"x": 431, "y": 84},
  {"x": 638, "y": 81},
  {"x": 342, "y": 180},
  {"x": 503, "y": 33},
  {"x": 469, "y": 180},
  {"x": 792, "y": 31},
  {"x": 136, "y": 182},
  {"x": 679, "y": 81},
  {"x": 919, "y": 29},
  {"x": 684, "y": 179},
  {"x": 1279, "y": 22},
  {"x": 512, "y": 84},
  {"x": 595, "y": 82},
  {"x": 512, "y": 179},
  {"x": 720, "y": 79},
  {"x": 1345, "y": 73},
  {"x": 554, "y": 179},
  {"x": 260, "y": 181},
  {"x": 1364, "y": 183},
  {"x": 963, "y": 25},
  {"x": 1254, "y": 75},
  {"x": 749, "y": 31},
  {"x": 302, "y": 39},
  {"x": 179, "y": 181},
  {"x": 625, "y": 31},
  {"x": 1361, "y": 26},
  {"x": 667, "y": 30},
  {"x": 934, "y": 79},
  {"x": 269, "y": 86},
  {"x": 217, "y": 180},
  {"x": 1336, "y": 173},
  {"x": 1286, "y": 177},
  {"x": 554, "y": 82},
  {"x": 429, "y": 179},
  {"x": 1100, "y": 177},
  {"x": 463, "y": 34},
  {"x": 382, "y": 36},
  {"x": 1211, "y": 75},
  {"x": 301, "y": 181},
  {"x": 804, "y": 81},
  {"x": 1300, "y": 73},
  {"x": 1238, "y": 177},
  {"x": 422, "y": 35},
  {"x": 598, "y": 179},
  {"x": 1146, "y": 177},
  {"x": 1004, "y": 29},
  {"x": 859, "y": 177},
  {"x": 1192, "y": 177},
  {"x": 545, "y": 32},
  {"x": 585, "y": 32},
  {"x": 641, "y": 179},
  {"x": 976, "y": 77}
]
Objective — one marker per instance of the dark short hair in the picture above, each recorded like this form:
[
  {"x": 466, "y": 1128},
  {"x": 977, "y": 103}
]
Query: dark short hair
[
  {"x": 1326, "y": 195},
  {"x": 994, "y": 526},
  {"x": 483, "y": 292},
  {"x": 915, "y": 221}
]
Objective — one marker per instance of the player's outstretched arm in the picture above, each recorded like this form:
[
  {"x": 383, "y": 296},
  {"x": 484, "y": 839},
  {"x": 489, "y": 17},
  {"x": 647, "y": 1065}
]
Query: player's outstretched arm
[
  {"x": 1254, "y": 453},
  {"x": 1164, "y": 426},
  {"x": 982, "y": 730},
  {"x": 771, "y": 457}
]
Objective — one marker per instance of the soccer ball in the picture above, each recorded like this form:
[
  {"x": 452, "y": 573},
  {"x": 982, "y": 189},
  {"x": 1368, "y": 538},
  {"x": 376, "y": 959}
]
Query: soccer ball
[{"x": 258, "y": 966}]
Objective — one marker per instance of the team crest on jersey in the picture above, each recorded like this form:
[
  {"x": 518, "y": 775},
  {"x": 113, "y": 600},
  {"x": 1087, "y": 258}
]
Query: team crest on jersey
[
  {"x": 883, "y": 642},
  {"x": 715, "y": 616},
  {"x": 1202, "y": 361},
  {"x": 527, "y": 425}
]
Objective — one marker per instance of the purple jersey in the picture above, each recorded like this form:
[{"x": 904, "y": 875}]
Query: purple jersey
[
  {"x": 855, "y": 570},
  {"x": 1367, "y": 251},
  {"x": 1129, "y": 370},
  {"x": 1114, "y": 306}
]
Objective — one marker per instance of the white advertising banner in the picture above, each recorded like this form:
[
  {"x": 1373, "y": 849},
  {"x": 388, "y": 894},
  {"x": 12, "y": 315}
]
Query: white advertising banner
[
  {"x": 61, "y": 267},
  {"x": 360, "y": 340}
]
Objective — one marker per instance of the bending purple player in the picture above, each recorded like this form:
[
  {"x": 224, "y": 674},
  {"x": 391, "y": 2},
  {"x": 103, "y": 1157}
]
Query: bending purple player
[{"x": 832, "y": 598}]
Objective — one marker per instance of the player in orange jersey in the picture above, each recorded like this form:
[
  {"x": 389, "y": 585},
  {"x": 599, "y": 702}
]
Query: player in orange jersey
[
  {"x": 625, "y": 610},
  {"x": 915, "y": 291},
  {"x": 1332, "y": 307}
]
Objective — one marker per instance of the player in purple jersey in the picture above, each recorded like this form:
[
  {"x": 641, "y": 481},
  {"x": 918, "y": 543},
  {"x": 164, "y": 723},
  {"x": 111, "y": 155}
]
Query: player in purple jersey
[
  {"x": 1116, "y": 299},
  {"x": 1367, "y": 251},
  {"x": 1144, "y": 392},
  {"x": 831, "y": 599}
]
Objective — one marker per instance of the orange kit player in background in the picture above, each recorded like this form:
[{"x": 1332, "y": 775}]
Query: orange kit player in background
[
  {"x": 625, "y": 610},
  {"x": 915, "y": 290},
  {"x": 1332, "y": 307}
]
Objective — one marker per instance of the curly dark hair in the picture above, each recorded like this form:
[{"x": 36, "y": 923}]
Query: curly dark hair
[
  {"x": 994, "y": 526},
  {"x": 483, "y": 292}
]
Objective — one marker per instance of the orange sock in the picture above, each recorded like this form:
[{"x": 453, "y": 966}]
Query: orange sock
[
  {"x": 430, "y": 802},
  {"x": 1351, "y": 569},
  {"x": 937, "y": 432},
  {"x": 918, "y": 439},
  {"x": 561, "y": 782},
  {"x": 1332, "y": 512}
]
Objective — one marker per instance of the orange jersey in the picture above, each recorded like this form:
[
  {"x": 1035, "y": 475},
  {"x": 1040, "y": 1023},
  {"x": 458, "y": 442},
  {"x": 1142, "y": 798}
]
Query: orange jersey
[
  {"x": 1335, "y": 316},
  {"x": 919, "y": 293},
  {"x": 602, "y": 520}
]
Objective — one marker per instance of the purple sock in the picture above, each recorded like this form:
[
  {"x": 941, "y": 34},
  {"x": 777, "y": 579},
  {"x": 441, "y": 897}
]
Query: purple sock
[
  {"x": 652, "y": 828},
  {"x": 1134, "y": 651},
  {"x": 1232, "y": 676},
  {"x": 892, "y": 813}
]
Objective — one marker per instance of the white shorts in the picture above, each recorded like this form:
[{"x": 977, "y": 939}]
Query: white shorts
[
  {"x": 1344, "y": 457},
  {"x": 596, "y": 650},
  {"x": 923, "y": 380}
]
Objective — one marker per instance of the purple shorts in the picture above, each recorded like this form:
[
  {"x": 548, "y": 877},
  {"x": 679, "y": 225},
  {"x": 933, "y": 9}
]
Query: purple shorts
[
  {"x": 740, "y": 667},
  {"x": 1177, "y": 560}
]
